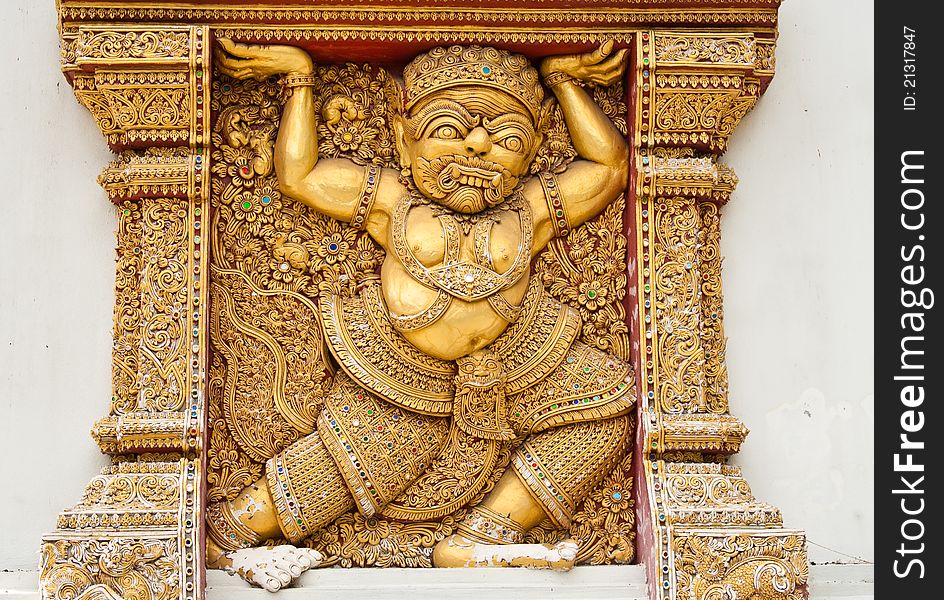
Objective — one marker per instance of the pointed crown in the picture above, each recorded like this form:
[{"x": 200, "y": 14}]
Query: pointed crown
[{"x": 446, "y": 67}]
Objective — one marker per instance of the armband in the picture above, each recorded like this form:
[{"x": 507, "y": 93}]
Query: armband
[
  {"x": 555, "y": 203},
  {"x": 366, "y": 199}
]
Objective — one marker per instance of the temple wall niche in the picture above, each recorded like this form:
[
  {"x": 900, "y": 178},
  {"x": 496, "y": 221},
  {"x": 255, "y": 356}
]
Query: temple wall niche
[{"x": 58, "y": 282}]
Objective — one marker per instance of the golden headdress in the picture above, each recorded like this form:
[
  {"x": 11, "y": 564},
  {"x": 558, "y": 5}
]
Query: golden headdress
[{"x": 444, "y": 67}]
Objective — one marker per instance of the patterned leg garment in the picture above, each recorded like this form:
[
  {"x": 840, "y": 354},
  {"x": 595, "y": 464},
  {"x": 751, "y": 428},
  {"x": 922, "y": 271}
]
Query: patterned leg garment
[
  {"x": 557, "y": 469},
  {"x": 364, "y": 454},
  {"x": 307, "y": 488},
  {"x": 561, "y": 466}
]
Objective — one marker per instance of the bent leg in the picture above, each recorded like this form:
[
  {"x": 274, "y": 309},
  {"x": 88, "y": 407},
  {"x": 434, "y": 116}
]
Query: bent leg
[
  {"x": 302, "y": 491},
  {"x": 550, "y": 474},
  {"x": 491, "y": 534}
]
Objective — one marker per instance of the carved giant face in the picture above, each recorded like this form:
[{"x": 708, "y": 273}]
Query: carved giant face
[{"x": 468, "y": 146}]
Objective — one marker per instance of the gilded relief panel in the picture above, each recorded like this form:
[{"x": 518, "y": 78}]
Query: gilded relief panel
[
  {"x": 293, "y": 242},
  {"x": 273, "y": 258}
]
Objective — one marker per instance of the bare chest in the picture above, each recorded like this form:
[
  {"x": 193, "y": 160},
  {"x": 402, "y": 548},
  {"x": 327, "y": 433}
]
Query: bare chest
[{"x": 493, "y": 242}]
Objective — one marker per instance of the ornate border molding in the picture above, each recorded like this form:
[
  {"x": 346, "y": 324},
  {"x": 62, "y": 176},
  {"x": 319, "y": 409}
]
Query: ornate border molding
[
  {"x": 143, "y": 71},
  {"x": 710, "y": 537},
  {"x": 138, "y": 531}
]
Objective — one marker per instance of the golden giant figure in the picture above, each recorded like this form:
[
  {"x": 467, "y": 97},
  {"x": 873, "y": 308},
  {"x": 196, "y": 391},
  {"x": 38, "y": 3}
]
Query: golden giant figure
[{"x": 454, "y": 349}]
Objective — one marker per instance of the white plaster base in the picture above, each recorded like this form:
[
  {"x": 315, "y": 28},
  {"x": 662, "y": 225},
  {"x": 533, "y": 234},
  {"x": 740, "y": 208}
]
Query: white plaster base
[
  {"x": 582, "y": 583},
  {"x": 827, "y": 582}
]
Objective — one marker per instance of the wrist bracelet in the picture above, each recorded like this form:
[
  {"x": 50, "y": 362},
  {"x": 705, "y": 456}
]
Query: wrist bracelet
[
  {"x": 557, "y": 78},
  {"x": 295, "y": 80},
  {"x": 298, "y": 80}
]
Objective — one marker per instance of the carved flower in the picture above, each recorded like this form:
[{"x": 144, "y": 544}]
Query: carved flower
[
  {"x": 244, "y": 207},
  {"x": 269, "y": 199},
  {"x": 347, "y": 138},
  {"x": 240, "y": 165},
  {"x": 257, "y": 207},
  {"x": 592, "y": 294},
  {"x": 227, "y": 91},
  {"x": 374, "y": 531},
  {"x": 333, "y": 248},
  {"x": 282, "y": 270},
  {"x": 617, "y": 498},
  {"x": 128, "y": 299},
  {"x": 269, "y": 88},
  {"x": 158, "y": 261}
]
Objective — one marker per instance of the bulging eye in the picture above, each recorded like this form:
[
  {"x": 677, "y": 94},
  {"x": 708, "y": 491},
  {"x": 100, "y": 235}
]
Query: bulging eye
[
  {"x": 512, "y": 143},
  {"x": 446, "y": 132}
]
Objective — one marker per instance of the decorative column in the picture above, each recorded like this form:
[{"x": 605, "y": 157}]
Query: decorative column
[
  {"x": 137, "y": 533},
  {"x": 709, "y": 536}
]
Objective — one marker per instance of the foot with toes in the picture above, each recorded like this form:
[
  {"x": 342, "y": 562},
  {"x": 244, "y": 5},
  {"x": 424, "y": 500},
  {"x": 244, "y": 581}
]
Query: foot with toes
[{"x": 271, "y": 568}]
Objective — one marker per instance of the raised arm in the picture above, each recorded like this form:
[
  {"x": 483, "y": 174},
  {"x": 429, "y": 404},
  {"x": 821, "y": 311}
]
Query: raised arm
[
  {"x": 588, "y": 185},
  {"x": 333, "y": 187}
]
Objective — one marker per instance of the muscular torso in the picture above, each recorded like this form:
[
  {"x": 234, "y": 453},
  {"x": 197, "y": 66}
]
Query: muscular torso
[{"x": 464, "y": 326}]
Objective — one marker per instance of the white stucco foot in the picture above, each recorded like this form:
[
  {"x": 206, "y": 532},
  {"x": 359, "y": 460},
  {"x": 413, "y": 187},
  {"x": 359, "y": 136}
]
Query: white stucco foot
[
  {"x": 559, "y": 556},
  {"x": 458, "y": 551},
  {"x": 272, "y": 568}
]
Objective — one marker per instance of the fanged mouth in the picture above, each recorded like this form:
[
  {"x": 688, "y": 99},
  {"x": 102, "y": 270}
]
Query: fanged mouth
[{"x": 476, "y": 177}]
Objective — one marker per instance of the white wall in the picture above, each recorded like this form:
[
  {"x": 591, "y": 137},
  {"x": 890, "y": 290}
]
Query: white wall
[
  {"x": 797, "y": 236},
  {"x": 797, "y": 282},
  {"x": 56, "y": 276}
]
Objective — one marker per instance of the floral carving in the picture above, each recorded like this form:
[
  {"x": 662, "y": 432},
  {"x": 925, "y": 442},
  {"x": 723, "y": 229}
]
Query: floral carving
[
  {"x": 131, "y": 44},
  {"x": 133, "y": 107},
  {"x": 756, "y": 565},
  {"x": 129, "y": 568},
  {"x": 677, "y": 305},
  {"x": 699, "y": 48}
]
